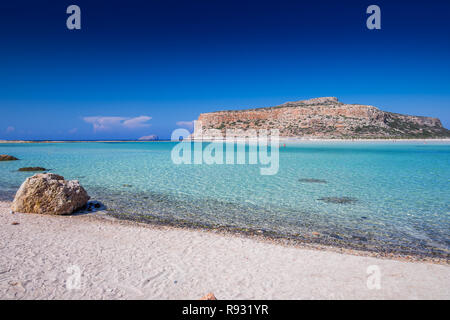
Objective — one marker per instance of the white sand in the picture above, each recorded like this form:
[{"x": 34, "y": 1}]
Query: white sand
[{"x": 128, "y": 261}]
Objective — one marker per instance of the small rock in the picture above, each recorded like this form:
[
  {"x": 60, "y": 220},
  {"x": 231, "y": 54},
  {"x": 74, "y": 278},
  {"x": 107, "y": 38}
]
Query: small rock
[
  {"x": 333, "y": 235},
  {"x": 359, "y": 238},
  {"x": 28, "y": 169},
  {"x": 338, "y": 200},
  {"x": 312, "y": 180},
  {"x": 5, "y": 157},
  {"x": 209, "y": 296}
]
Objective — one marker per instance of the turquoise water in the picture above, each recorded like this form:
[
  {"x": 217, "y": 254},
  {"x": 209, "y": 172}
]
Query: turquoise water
[{"x": 400, "y": 191}]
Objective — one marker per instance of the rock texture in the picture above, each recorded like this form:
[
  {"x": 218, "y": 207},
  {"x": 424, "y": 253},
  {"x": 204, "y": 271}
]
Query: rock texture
[
  {"x": 325, "y": 118},
  {"x": 49, "y": 193},
  {"x": 5, "y": 157}
]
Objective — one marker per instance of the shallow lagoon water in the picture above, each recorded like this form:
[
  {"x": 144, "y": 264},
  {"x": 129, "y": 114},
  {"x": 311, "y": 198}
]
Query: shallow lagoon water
[{"x": 399, "y": 191}]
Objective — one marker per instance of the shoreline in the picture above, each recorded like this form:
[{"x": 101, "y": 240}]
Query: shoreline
[
  {"x": 129, "y": 260},
  {"x": 281, "y": 140},
  {"x": 305, "y": 242},
  {"x": 274, "y": 238}
]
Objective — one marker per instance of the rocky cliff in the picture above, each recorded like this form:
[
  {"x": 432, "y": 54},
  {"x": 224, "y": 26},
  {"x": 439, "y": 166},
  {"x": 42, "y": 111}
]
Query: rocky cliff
[{"x": 325, "y": 118}]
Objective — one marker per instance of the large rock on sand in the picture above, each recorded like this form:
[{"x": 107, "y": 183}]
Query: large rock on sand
[
  {"x": 5, "y": 157},
  {"x": 49, "y": 193}
]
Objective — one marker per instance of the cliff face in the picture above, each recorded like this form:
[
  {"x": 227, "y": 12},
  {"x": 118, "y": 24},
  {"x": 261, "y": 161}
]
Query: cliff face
[{"x": 325, "y": 118}]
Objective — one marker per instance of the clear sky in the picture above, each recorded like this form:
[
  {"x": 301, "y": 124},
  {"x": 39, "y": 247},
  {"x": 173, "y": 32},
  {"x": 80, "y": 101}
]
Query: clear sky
[{"x": 138, "y": 68}]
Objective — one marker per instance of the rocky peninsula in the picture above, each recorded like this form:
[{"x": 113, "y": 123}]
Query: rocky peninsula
[{"x": 326, "y": 118}]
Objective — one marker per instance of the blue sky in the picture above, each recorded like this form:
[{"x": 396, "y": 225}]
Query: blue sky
[{"x": 138, "y": 68}]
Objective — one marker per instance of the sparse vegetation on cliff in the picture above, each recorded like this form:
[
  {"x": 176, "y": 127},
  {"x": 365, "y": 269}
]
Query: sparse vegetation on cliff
[{"x": 327, "y": 118}]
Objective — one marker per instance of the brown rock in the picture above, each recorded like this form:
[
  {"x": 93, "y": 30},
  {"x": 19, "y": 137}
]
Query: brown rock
[
  {"x": 209, "y": 296},
  {"x": 321, "y": 117},
  {"x": 5, "y": 157},
  {"x": 49, "y": 193}
]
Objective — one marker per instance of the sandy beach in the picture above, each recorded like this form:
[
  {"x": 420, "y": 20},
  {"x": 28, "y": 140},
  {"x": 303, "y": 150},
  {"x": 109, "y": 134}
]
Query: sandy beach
[{"x": 41, "y": 255}]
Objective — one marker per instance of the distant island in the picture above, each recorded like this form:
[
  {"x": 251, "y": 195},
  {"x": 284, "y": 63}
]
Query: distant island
[{"x": 326, "y": 117}]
